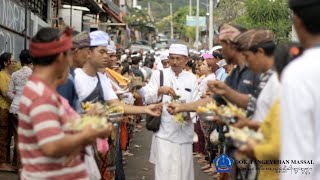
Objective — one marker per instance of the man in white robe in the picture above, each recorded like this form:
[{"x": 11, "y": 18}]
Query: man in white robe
[
  {"x": 171, "y": 150},
  {"x": 300, "y": 99}
]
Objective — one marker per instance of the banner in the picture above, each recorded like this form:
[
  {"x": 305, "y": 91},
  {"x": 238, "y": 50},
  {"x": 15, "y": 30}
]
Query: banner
[{"x": 192, "y": 21}]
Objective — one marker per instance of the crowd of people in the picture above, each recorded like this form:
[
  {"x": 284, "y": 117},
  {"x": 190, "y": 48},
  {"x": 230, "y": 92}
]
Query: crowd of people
[{"x": 275, "y": 83}]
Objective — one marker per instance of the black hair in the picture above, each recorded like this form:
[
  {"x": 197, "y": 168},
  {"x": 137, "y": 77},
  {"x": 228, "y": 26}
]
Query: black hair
[
  {"x": 136, "y": 60},
  {"x": 148, "y": 63},
  {"x": 192, "y": 57},
  {"x": 284, "y": 54},
  {"x": 190, "y": 64},
  {"x": 217, "y": 55},
  {"x": 152, "y": 59},
  {"x": 91, "y": 48},
  {"x": 5, "y": 58},
  {"x": 125, "y": 68},
  {"x": 268, "y": 48},
  {"x": 308, "y": 16},
  {"x": 197, "y": 58},
  {"x": 25, "y": 57},
  {"x": 45, "y": 35}
]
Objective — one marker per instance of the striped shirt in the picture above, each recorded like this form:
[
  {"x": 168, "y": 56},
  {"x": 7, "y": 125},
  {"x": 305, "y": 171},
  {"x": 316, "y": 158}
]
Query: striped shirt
[{"x": 42, "y": 119}]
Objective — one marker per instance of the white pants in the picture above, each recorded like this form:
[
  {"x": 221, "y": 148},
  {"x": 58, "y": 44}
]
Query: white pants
[
  {"x": 91, "y": 165},
  {"x": 172, "y": 161}
]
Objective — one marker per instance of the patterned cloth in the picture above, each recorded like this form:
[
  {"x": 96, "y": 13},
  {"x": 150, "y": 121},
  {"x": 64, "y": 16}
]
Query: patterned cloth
[
  {"x": 81, "y": 40},
  {"x": 253, "y": 38},
  {"x": 43, "y": 115},
  {"x": 228, "y": 33},
  {"x": 253, "y": 98},
  {"x": 199, "y": 146},
  {"x": 16, "y": 85}
]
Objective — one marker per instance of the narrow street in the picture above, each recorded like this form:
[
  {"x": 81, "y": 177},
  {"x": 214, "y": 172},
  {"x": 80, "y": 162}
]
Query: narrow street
[
  {"x": 138, "y": 166},
  {"x": 8, "y": 176}
]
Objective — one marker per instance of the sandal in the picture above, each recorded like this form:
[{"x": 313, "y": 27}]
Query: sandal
[{"x": 210, "y": 170}]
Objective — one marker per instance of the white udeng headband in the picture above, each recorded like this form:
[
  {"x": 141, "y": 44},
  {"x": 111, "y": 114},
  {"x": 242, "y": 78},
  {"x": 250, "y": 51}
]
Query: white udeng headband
[{"x": 136, "y": 55}]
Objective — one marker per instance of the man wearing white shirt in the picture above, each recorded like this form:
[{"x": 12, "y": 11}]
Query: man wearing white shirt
[
  {"x": 165, "y": 60},
  {"x": 171, "y": 150},
  {"x": 300, "y": 99},
  {"x": 93, "y": 86},
  {"x": 88, "y": 79}
]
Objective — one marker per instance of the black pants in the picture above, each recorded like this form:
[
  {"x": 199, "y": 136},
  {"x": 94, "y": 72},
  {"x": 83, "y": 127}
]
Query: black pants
[{"x": 119, "y": 162}]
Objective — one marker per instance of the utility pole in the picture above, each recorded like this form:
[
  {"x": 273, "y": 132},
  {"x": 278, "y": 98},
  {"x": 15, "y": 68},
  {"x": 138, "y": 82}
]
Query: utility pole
[
  {"x": 71, "y": 13},
  {"x": 25, "y": 23},
  {"x": 150, "y": 12},
  {"x": 197, "y": 28},
  {"x": 171, "y": 21},
  {"x": 210, "y": 24},
  {"x": 190, "y": 7}
]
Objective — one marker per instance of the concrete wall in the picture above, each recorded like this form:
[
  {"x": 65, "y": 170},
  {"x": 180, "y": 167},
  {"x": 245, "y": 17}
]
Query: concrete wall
[
  {"x": 76, "y": 18},
  {"x": 12, "y": 25}
]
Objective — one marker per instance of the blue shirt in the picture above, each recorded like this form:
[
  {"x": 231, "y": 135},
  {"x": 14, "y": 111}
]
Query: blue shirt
[
  {"x": 242, "y": 80},
  {"x": 221, "y": 74},
  {"x": 68, "y": 91}
]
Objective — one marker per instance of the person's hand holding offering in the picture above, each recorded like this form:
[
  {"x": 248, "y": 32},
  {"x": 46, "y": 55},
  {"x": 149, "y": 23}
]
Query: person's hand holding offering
[
  {"x": 166, "y": 90},
  {"x": 91, "y": 134},
  {"x": 154, "y": 109},
  {"x": 175, "y": 108},
  {"x": 218, "y": 120},
  {"x": 241, "y": 122},
  {"x": 248, "y": 148}
]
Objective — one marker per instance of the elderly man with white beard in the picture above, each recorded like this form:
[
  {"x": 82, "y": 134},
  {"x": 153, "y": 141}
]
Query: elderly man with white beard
[{"x": 171, "y": 149}]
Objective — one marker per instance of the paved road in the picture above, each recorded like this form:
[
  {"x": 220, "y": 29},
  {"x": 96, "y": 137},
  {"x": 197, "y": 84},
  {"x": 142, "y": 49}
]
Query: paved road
[
  {"x": 138, "y": 166},
  {"x": 8, "y": 176}
]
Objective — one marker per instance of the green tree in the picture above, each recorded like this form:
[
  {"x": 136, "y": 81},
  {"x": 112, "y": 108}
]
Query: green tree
[
  {"x": 179, "y": 23},
  {"x": 268, "y": 14},
  {"x": 228, "y": 11},
  {"x": 137, "y": 18}
]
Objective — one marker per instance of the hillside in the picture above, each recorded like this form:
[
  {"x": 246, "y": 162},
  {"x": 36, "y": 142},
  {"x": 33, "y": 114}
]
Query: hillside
[{"x": 161, "y": 8}]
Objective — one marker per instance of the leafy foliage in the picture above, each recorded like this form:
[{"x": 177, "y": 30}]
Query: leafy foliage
[
  {"x": 228, "y": 10},
  {"x": 179, "y": 23},
  {"x": 269, "y": 14},
  {"x": 137, "y": 18},
  {"x": 160, "y": 8}
]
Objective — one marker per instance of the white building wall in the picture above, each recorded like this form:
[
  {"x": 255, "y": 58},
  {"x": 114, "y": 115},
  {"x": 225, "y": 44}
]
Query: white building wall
[{"x": 76, "y": 18}]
